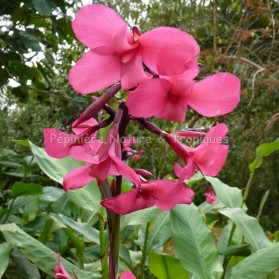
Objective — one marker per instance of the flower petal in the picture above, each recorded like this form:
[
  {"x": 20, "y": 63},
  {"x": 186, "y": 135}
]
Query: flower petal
[
  {"x": 82, "y": 127},
  {"x": 57, "y": 143},
  {"x": 94, "y": 72},
  {"x": 168, "y": 51},
  {"x": 215, "y": 95},
  {"x": 86, "y": 152},
  {"x": 132, "y": 72},
  {"x": 77, "y": 178},
  {"x": 128, "y": 202},
  {"x": 215, "y": 135},
  {"x": 122, "y": 40},
  {"x": 148, "y": 99},
  {"x": 170, "y": 193},
  {"x": 127, "y": 275},
  {"x": 95, "y": 25}
]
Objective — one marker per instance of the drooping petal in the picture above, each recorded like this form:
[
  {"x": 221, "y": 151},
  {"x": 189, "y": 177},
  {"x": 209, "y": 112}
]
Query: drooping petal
[
  {"x": 132, "y": 72},
  {"x": 126, "y": 171},
  {"x": 94, "y": 72},
  {"x": 170, "y": 193},
  {"x": 168, "y": 51},
  {"x": 82, "y": 127},
  {"x": 102, "y": 170},
  {"x": 211, "y": 159},
  {"x": 95, "y": 25},
  {"x": 60, "y": 272},
  {"x": 148, "y": 99},
  {"x": 77, "y": 178},
  {"x": 127, "y": 275},
  {"x": 128, "y": 202},
  {"x": 215, "y": 135},
  {"x": 215, "y": 95},
  {"x": 57, "y": 143}
]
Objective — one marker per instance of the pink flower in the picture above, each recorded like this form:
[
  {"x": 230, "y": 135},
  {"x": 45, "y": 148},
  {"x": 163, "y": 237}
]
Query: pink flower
[
  {"x": 164, "y": 194},
  {"x": 101, "y": 162},
  {"x": 127, "y": 275},
  {"x": 209, "y": 157},
  {"x": 117, "y": 54},
  {"x": 169, "y": 97},
  {"x": 210, "y": 195},
  {"x": 128, "y": 151},
  {"x": 60, "y": 272},
  {"x": 58, "y": 144}
]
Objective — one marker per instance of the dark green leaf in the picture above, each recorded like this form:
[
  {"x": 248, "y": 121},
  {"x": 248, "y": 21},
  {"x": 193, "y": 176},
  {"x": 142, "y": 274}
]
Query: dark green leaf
[{"x": 22, "y": 189}]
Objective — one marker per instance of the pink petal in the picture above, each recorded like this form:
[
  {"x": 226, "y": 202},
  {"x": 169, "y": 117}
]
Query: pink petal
[
  {"x": 102, "y": 170},
  {"x": 148, "y": 99},
  {"x": 77, "y": 178},
  {"x": 210, "y": 196},
  {"x": 170, "y": 193},
  {"x": 215, "y": 95},
  {"x": 94, "y": 72},
  {"x": 211, "y": 159},
  {"x": 95, "y": 25},
  {"x": 128, "y": 202},
  {"x": 123, "y": 40},
  {"x": 82, "y": 127},
  {"x": 132, "y": 72},
  {"x": 168, "y": 51},
  {"x": 126, "y": 171},
  {"x": 57, "y": 143},
  {"x": 60, "y": 272},
  {"x": 215, "y": 135},
  {"x": 127, "y": 275},
  {"x": 86, "y": 153},
  {"x": 188, "y": 171}
]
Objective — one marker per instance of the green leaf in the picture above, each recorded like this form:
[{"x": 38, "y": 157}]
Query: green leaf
[
  {"x": 44, "y": 7},
  {"x": 263, "y": 150},
  {"x": 229, "y": 196},
  {"x": 23, "y": 189},
  {"x": 56, "y": 169},
  {"x": 5, "y": 250},
  {"x": 194, "y": 243},
  {"x": 166, "y": 267},
  {"x": 257, "y": 265},
  {"x": 88, "y": 197},
  {"x": 249, "y": 226},
  {"x": 39, "y": 254},
  {"x": 139, "y": 217}
]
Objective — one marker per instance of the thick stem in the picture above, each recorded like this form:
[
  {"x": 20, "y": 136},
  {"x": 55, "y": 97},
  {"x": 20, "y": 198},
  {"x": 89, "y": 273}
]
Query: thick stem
[{"x": 103, "y": 250}]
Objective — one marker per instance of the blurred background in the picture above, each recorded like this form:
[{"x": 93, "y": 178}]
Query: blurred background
[{"x": 38, "y": 48}]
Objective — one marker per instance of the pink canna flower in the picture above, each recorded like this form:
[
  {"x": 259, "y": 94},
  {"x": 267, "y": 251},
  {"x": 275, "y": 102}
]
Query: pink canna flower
[
  {"x": 169, "y": 97},
  {"x": 209, "y": 157},
  {"x": 117, "y": 54},
  {"x": 58, "y": 144},
  {"x": 102, "y": 161},
  {"x": 210, "y": 195},
  {"x": 127, "y": 275},
  {"x": 164, "y": 194},
  {"x": 60, "y": 272}
]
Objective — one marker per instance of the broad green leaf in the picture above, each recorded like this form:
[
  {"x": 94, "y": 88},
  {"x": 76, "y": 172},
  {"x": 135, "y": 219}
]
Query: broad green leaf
[
  {"x": 24, "y": 143},
  {"x": 83, "y": 228},
  {"x": 39, "y": 254},
  {"x": 249, "y": 226},
  {"x": 166, "y": 267},
  {"x": 257, "y": 265},
  {"x": 263, "y": 150},
  {"x": 194, "y": 243},
  {"x": 51, "y": 194},
  {"x": 24, "y": 189},
  {"x": 229, "y": 196},
  {"x": 139, "y": 217},
  {"x": 5, "y": 250},
  {"x": 160, "y": 233},
  {"x": 88, "y": 197},
  {"x": 56, "y": 169}
]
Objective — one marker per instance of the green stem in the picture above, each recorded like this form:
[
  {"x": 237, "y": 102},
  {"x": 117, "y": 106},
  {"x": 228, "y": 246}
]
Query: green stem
[
  {"x": 142, "y": 264},
  {"x": 247, "y": 189},
  {"x": 103, "y": 250},
  {"x": 9, "y": 210}
]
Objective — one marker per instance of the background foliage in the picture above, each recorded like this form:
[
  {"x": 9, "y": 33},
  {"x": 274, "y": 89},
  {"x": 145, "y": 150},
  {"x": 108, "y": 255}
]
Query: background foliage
[{"x": 38, "y": 49}]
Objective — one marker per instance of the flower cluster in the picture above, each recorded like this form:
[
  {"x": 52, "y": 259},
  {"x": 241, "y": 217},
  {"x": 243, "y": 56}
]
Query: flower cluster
[{"x": 159, "y": 70}]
